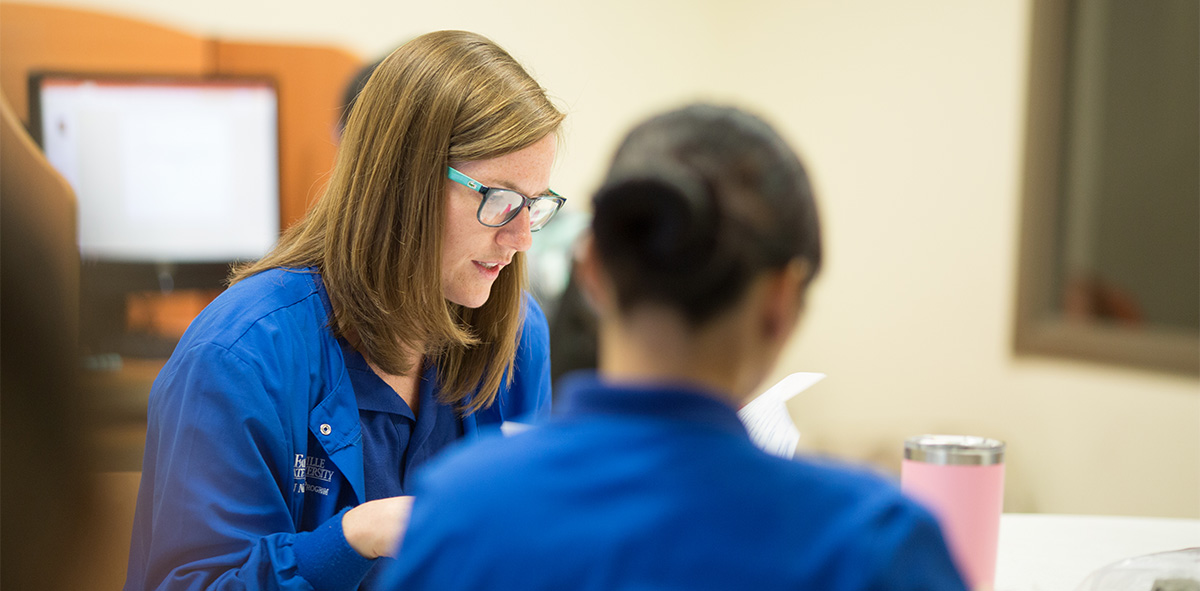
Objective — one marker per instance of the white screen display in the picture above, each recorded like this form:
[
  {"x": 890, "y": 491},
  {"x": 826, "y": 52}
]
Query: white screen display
[{"x": 166, "y": 170}]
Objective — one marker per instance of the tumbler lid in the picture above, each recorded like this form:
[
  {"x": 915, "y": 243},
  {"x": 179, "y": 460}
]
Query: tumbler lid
[{"x": 954, "y": 450}]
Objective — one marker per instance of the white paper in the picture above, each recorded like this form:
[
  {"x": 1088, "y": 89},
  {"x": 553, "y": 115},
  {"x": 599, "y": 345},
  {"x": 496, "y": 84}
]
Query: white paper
[
  {"x": 509, "y": 428},
  {"x": 767, "y": 419}
]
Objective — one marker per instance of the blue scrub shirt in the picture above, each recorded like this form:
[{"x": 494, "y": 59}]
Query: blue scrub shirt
[
  {"x": 658, "y": 486},
  {"x": 254, "y": 445},
  {"x": 395, "y": 441}
]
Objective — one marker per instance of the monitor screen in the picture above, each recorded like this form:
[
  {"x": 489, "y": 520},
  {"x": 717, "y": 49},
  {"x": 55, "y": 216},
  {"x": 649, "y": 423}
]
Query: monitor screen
[
  {"x": 165, "y": 169},
  {"x": 175, "y": 179}
]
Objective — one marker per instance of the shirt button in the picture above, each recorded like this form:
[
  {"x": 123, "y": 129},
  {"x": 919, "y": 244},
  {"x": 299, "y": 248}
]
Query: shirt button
[{"x": 326, "y": 429}]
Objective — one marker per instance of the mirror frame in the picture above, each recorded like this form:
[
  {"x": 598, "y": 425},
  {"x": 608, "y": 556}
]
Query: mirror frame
[{"x": 1041, "y": 329}]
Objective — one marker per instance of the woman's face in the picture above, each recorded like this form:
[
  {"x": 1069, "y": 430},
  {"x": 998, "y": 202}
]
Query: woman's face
[{"x": 473, "y": 254}]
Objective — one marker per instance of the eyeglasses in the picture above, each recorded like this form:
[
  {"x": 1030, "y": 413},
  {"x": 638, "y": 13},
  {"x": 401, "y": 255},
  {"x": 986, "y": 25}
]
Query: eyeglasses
[{"x": 500, "y": 206}]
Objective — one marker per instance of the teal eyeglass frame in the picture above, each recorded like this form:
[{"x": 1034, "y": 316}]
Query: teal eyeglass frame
[{"x": 487, "y": 192}]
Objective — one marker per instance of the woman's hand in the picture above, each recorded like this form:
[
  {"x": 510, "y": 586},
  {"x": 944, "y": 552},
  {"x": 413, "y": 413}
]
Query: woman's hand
[{"x": 375, "y": 528}]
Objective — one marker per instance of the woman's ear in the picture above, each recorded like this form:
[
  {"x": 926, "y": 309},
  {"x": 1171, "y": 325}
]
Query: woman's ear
[{"x": 785, "y": 299}]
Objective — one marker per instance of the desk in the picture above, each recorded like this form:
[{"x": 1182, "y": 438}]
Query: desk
[{"x": 1057, "y": 552}]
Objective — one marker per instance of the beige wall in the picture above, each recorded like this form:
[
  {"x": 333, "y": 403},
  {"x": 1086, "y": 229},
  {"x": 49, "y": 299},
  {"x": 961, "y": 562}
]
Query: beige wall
[{"x": 911, "y": 118}]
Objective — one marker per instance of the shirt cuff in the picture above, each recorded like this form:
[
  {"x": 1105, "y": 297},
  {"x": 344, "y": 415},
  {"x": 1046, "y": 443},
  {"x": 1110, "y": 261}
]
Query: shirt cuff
[{"x": 325, "y": 559}]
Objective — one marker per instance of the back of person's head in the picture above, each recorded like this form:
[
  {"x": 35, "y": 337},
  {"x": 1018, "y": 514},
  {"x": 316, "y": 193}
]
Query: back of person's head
[
  {"x": 697, "y": 203},
  {"x": 376, "y": 233}
]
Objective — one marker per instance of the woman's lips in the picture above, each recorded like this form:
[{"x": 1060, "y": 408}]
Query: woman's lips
[{"x": 489, "y": 270}]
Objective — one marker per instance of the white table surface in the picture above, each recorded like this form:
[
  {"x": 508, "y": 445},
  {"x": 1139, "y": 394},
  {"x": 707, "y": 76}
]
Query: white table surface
[{"x": 1042, "y": 552}]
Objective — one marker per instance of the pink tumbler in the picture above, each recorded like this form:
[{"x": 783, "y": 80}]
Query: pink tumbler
[{"x": 960, "y": 479}]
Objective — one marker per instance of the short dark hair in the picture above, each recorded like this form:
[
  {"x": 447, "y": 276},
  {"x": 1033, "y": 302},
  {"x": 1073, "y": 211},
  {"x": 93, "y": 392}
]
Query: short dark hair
[{"x": 697, "y": 202}]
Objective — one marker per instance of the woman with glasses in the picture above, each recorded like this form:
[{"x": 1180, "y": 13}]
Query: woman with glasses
[
  {"x": 704, "y": 242},
  {"x": 388, "y": 323}
]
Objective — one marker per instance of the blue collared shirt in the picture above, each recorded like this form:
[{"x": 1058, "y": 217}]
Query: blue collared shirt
[
  {"x": 395, "y": 440},
  {"x": 255, "y": 445},
  {"x": 658, "y": 486}
]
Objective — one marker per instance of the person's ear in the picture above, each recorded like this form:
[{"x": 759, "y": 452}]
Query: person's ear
[
  {"x": 784, "y": 301},
  {"x": 593, "y": 283}
]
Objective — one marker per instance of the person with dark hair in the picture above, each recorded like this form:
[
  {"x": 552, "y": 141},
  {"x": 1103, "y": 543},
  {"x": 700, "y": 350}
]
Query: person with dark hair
[
  {"x": 387, "y": 324},
  {"x": 704, "y": 241},
  {"x": 572, "y": 334}
]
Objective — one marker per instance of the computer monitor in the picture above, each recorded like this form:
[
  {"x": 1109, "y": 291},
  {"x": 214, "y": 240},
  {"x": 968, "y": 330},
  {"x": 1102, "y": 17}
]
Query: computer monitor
[{"x": 176, "y": 178}]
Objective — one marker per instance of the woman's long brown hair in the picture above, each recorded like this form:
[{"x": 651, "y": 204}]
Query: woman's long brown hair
[{"x": 376, "y": 233}]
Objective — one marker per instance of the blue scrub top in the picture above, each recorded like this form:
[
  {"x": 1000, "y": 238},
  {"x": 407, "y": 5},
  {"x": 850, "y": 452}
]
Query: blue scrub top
[
  {"x": 395, "y": 440},
  {"x": 658, "y": 486},
  {"x": 257, "y": 441}
]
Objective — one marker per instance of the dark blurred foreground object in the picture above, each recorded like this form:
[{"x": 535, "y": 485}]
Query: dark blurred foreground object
[{"x": 46, "y": 492}]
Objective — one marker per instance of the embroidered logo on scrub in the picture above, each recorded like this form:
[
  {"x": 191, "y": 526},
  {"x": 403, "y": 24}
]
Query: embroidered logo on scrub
[{"x": 310, "y": 473}]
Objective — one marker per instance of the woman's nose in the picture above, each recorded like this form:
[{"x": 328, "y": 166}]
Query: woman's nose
[{"x": 515, "y": 234}]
